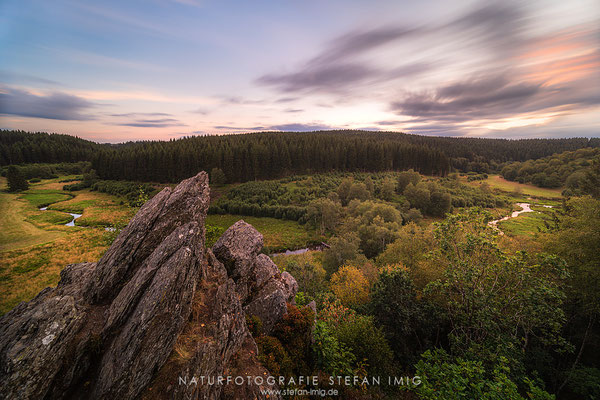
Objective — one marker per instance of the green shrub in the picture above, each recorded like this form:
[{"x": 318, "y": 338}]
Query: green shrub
[
  {"x": 445, "y": 378},
  {"x": 329, "y": 355}
]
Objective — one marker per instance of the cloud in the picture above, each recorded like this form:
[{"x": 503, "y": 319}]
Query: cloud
[
  {"x": 134, "y": 114},
  {"x": 326, "y": 77},
  {"x": 493, "y": 26},
  {"x": 239, "y": 100},
  {"x": 54, "y": 105},
  {"x": 140, "y": 121},
  {"x": 492, "y": 96},
  {"x": 298, "y": 127},
  {"x": 495, "y": 97},
  {"x": 336, "y": 67},
  {"x": 239, "y": 128},
  {"x": 25, "y": 78},
  {"x": 356, "y": 42},
  {"x": 352, "y": 60}
]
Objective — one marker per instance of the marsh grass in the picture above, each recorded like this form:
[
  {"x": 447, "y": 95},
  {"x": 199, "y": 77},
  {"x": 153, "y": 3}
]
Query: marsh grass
[
  {"x": 278, "y": 234},
  {"x": 24, "y": 272}
]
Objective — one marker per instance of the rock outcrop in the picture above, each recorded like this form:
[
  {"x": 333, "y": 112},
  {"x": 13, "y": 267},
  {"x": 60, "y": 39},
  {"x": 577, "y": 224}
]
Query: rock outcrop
[
  {"x": 156, "y": 309},
  {"x": 262, "y": 289}
]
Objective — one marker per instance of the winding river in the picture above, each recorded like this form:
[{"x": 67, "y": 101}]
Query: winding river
[
  {"x": 525, "y": 208},
  {"x": 70, "y": 223}
]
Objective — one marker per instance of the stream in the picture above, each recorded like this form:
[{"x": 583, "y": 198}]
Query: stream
[
  {"x": 318, "y": 247},
  {"x": 70, "y": 223},
  {"x": 525, "y": 208}
]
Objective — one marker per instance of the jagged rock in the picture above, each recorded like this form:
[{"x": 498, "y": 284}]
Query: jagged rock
[
  {"x": 35, "y": 338},
  {"x": 264, "y": 269},
  {"x": 218, "y": 319},
  {"x": 146, "y": 338},
  {"x": 157, "y": 306},
  {"x": 155, "y": 221},
  {"x": 237, "y": 248},
  {"x": 262, "y": 289}
]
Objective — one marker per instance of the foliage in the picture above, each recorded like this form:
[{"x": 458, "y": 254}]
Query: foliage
[
  {"x": 310, "y": 277},
  {"x": 497, "y": 303},
  {"x": 553, "y": 171},
  {"x": 329, "y": 355},
  {"x": 350, "y": 286},
  {"x": 213, "y": 233},
  {"x": 50, "y": 171},
  {"x": 590, "y": 183},
  {"x": 360, "y": 335},
  {"x": 585, "y": 383},
  {"x": 273, "y": 356},
  {"x": 135, "y": 192},
  {"x": 16, "y": 180},
  {"x": 407, "y": 177},
  {"x": 376, "y": 223},
  {"x": 341, "y": 250},
  {"x": 411, "y": 249},
  {"x": 577, "y": 240},
  {"x": 217, "y": 176},
  {"x": 294, "y": 331},
  {"x": 409, "y": 322},
  {"x": 323, "y": 214},
  {"x": 254, "y": 324},
  {"x": 445, "y": 378}
]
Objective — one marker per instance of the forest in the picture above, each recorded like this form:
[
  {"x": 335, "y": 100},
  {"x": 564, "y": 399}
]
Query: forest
[
  {"x": 271, "y": 155},
  {"x": 398, "y": 240},
  {"x": 558, "y": 170}
]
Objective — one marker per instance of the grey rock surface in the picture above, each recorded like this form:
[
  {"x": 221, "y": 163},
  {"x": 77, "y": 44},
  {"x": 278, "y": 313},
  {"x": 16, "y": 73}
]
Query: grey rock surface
[
  {"x": 262, "y": 289},
  {"x": 157, "y": 306}
]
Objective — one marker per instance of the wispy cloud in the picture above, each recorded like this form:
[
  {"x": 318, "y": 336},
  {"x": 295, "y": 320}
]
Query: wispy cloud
[
  {"x": 148, "y": 122},
  {"x": 299, "y": 127},
  {"x": 53, "y": 105}
]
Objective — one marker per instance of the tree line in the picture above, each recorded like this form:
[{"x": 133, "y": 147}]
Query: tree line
[{"x": 270, "y": 155}]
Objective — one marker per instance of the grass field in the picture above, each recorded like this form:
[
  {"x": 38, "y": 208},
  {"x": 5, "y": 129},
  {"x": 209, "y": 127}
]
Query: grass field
[
  {"x": 35, "y": 245},
  {"x": 278, "y": 234},
  {"x": 24, "y": 272},
  {"x": 497, "y": 182},
  {"x": 15, "y": 229},
  {"x": 527, "y": 224}
]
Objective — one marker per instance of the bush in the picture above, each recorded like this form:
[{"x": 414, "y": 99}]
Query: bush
[
  {"x": 330, "y": 356},
  {"x": 410, "y": 323},
  {"x": 359, "y": 334},
  {"x": 294, "y": 331},
  {"x": 273, "y": 356},
  {"x": 445, "y": 378},
  {"x": 350, "y": 286}
]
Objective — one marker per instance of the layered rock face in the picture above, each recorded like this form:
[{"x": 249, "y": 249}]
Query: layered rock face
[{"x": 156, "y": 307}]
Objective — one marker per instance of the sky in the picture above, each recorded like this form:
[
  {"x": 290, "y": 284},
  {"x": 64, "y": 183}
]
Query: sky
[{"x": 115, "y": 71}]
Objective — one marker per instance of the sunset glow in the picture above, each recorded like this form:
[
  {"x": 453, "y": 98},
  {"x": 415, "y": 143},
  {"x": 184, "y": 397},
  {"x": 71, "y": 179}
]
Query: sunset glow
[{"x": 116, "y": 71}]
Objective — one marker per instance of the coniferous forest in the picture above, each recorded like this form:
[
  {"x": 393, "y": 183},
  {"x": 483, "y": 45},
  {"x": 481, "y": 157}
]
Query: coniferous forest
[{"x": 271, "y": 155}]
